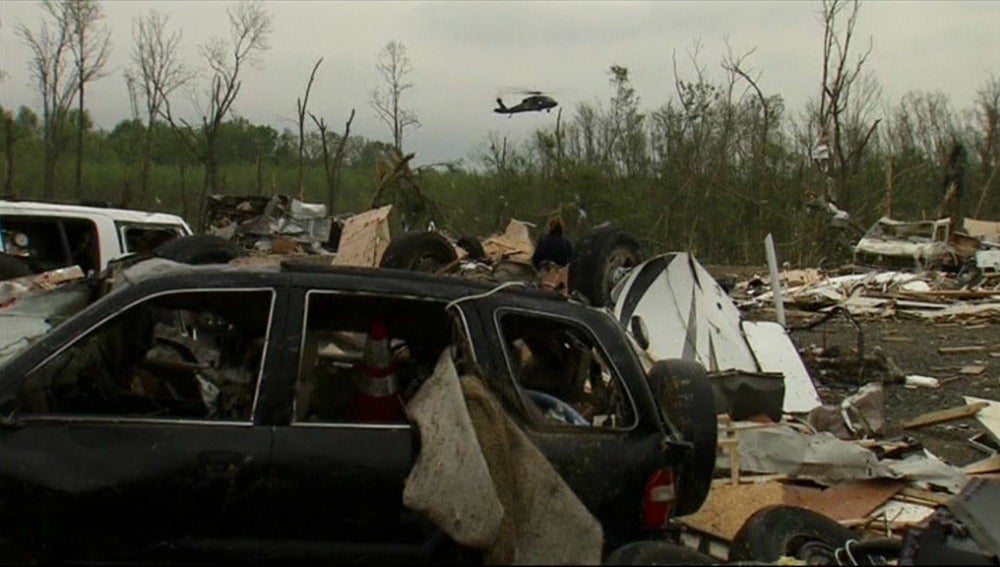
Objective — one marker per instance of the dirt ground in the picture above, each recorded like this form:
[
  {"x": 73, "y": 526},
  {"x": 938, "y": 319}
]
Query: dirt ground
[{"x": 913, "y": 346}]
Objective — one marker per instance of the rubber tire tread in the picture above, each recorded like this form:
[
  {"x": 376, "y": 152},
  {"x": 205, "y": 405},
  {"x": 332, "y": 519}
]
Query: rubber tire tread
[
  {"x": 682, "y": 389},
  {"x": 766, "y": 535},
  {"x": 200, "y": 249},
  {"x": 588, "y": 269},
  {"x": 406, "y": 251},
  {"x": 651, "y": 552}
]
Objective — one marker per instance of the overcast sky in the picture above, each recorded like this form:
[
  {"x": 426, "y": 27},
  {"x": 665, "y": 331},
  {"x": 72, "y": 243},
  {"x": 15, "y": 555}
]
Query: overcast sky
[{"x": 464, "y": 53}]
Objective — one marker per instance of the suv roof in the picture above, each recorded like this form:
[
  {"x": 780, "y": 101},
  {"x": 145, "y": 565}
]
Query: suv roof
[{"x": 128, "y": 215}]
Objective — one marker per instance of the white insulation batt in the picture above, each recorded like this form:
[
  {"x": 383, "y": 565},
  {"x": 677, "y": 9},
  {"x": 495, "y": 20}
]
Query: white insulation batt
[{"x": 689, "y": 316}]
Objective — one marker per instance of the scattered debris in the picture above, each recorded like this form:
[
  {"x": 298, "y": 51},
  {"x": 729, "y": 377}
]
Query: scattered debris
[{"x": 944, "y": 416}]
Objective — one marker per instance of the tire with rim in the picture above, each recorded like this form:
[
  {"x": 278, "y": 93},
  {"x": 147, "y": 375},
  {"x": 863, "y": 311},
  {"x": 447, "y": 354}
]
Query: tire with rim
[
  {"x": 199, "y": 249},
  {"x": 597, "y": 258},
  {"x": 419, "y": 252},
  {"x": 12, "y": 267},
  {"x": 656, "y": 553},
  {"x": 682, "y": 389},
  {"x": 788, "y": 531}
]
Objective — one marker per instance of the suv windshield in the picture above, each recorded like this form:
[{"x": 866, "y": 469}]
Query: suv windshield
[{"x": 31, "y": 317}]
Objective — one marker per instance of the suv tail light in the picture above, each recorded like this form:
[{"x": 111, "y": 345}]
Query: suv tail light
[{"x": 658, "y": 498}]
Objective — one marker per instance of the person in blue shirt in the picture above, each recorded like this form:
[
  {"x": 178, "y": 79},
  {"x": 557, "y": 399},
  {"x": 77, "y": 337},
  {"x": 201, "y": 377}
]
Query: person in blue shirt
[{"x": 553, "y": 247}]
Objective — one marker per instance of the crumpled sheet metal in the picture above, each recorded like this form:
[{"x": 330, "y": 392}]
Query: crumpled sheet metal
[
  {"x": 828, "y": 460},
  {"x": 823, "y": 457},
  {"x": 519, "y": 510}
]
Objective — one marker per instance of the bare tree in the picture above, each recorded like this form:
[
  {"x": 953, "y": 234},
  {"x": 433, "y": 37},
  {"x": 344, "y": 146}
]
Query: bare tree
[
  {"x": 50, "y": 48},
  {"x": 332, "y": 166},
  {"x": 91, "y": 47},
  {"x": 840, "y": 85},
  {"x": 249, "y": 28},
  {"x": 155, "y": 73},
  {"x": 301, "y": 105},
  {"x": 394, "y": 68}
]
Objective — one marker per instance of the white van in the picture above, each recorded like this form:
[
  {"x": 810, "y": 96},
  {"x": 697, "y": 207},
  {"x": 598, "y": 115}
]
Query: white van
[{"x": 40, "y": 236}]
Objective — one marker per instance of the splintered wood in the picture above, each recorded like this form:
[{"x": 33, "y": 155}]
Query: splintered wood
[{"x": 944, "y": 416}]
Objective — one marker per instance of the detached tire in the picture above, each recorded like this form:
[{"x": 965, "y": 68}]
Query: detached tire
[
  {"x": 199, "y": 249},
  {"x": 682, "y": 389},
  {"x": 657, "y": 553},
  {"x": 12, "y": 267},
  {"x": 596, "y": 258},
  {"x": 419, "y": 252},
  {"x": 788, "y": 531}
]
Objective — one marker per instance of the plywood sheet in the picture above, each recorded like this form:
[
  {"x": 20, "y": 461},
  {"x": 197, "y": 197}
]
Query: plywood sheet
[
  {"x": 728, "y": 506},
  {"x": 853, "y": 500},
  {"x": 364, "y": 238}
]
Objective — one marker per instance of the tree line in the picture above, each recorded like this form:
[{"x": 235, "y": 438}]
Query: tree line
[{"x": 712, "y": 169}]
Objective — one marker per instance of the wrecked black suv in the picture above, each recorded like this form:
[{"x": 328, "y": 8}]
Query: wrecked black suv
[{"x": 212, "y": 411}]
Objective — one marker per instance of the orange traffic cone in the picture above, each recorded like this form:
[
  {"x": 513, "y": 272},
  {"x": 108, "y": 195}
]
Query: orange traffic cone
[{"x": 377, "y": 398}]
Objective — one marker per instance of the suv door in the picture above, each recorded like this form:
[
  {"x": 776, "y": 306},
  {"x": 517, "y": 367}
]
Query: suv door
[
  {"x": 584, "y": 403},
  {"x": 338, "y": 474},
  {"x": 137, "y": 432}
]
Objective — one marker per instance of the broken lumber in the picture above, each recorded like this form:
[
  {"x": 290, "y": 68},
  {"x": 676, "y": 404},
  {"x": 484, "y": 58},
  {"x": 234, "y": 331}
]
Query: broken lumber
[
  {"x": 961, "y": 349},
  {"x": 944, "y": 416}
]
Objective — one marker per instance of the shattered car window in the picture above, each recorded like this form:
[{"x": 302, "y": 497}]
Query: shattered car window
[
  {"x": 194, "y": 355},
  {"x": 349, "y": 372},
  {"x": 564, "y": 373},
  {"x": 145, "y": 239},
  {"x": 30, "y": 317}
]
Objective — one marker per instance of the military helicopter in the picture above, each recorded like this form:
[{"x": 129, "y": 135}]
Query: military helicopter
[{"x": 537, "y": 101}]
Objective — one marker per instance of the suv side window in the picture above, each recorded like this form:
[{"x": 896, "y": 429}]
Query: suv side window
[
  {"x": 185, "y": 355},
  {"x": 562, "y": 372},
  {"x": 331, "y": 373}
]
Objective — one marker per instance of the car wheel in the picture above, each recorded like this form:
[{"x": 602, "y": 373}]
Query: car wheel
[
  {"x": 419, "y": 252},
  {"x": 599, "y": 259},
  {"x": 788, "y": 531},
  {"x": 682, "y": 389},
  {"x": 199, "y": 249},
  {"x": 656, "y": 553},
  {"x": 12, "y": 267}
]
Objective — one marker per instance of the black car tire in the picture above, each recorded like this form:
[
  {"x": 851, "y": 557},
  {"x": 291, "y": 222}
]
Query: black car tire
[
  {"x": 200, "y": 249},
  {"x": 788, "y": 531},
  {"x": 419, "y": 252},
  {"x": 657, "y": 553},
  {"x": 596, "y": 257},
  {"x": 683, "y": 391},
  {"x": 12, "y": 267}
]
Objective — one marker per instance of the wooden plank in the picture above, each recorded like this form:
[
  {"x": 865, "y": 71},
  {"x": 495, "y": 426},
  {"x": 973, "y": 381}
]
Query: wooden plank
[
  {"x": 925, "y": 495},
  {"x": 972, "y": 370},
  {"x": 985, "y": 466},
  {"x": 961, "y": 349},
  {"x": 943, "y": 416}
]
